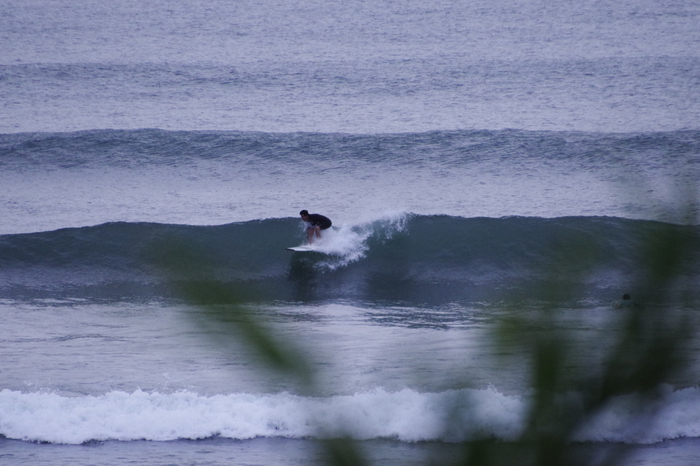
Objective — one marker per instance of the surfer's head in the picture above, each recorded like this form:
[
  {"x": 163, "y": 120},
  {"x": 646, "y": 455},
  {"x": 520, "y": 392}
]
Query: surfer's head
[{"x": 304, "y": 214}]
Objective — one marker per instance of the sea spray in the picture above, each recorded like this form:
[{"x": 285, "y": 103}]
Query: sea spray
[{"x": 349, "y": 243}]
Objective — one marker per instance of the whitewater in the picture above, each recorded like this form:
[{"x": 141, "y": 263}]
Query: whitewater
[
  {"x": 498, "y": 175},
  {"x": 407, "y": 416}
]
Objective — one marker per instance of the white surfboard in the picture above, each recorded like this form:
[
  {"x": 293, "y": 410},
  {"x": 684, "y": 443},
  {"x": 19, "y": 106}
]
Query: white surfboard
[{"x": 304, "y": 248}]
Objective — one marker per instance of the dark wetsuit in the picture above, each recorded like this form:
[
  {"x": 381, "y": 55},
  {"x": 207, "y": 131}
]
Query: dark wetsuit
[{"x": 319, "y": 220}]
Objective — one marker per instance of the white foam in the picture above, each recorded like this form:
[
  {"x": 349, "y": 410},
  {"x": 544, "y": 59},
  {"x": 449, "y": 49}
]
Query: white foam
[
  {"x": 348, "y": 243},
  {"x": 675, "y": 414},
  {"x": 406, "y": 415}
]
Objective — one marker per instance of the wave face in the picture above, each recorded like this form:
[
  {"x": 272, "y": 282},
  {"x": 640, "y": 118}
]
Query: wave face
[
  {"x": 406, "y": 415},
  {"x": 402, "y": 258}
]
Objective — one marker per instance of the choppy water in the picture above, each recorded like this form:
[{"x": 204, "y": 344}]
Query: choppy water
[{"x": 479, "y": 161}]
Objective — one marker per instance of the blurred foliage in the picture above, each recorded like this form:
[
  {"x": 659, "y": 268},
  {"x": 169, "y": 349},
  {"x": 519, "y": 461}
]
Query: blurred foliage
[{"x": 650, "y": 348}]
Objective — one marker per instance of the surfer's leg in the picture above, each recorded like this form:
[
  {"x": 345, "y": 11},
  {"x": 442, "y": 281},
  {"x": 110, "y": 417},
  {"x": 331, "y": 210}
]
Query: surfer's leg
[{"x": 310, "y": 233}]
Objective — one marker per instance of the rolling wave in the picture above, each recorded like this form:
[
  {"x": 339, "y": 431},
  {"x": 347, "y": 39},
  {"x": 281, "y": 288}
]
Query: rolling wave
[
  {"x": 396, "y": 258},
  {"x": 406, "y": 415}
]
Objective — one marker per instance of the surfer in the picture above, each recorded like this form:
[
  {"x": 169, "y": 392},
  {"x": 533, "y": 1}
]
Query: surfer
[{"x": 314, "y": 224}]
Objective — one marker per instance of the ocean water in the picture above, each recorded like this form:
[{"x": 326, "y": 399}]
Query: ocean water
[{"x": 484, "y": 164}]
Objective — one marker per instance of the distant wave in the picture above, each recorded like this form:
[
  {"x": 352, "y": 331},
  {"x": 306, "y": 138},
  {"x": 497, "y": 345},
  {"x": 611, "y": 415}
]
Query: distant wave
[
  {"x": 406, "y": 415},
  {"x": 57, "y": 180},
  {"x": 153, "y": 147},
  {"x": 400, "y": 258}
]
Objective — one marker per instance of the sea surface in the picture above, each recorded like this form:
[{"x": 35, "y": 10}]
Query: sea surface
[{"x": 484, "y": 163}]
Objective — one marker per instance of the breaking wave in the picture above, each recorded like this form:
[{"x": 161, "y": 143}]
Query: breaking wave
[
  {"x": 406, "y": 415},
  {"x": 396, "y": 258}
]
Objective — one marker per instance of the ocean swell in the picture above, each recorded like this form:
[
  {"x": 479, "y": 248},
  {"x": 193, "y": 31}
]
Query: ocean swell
[{"x": 398, "y": 258}]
